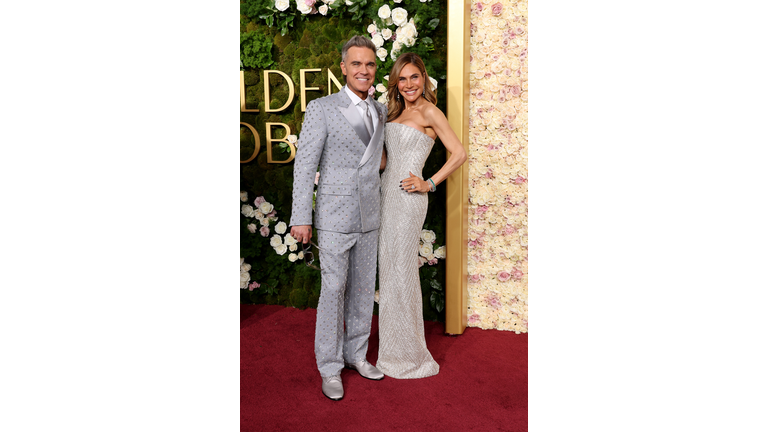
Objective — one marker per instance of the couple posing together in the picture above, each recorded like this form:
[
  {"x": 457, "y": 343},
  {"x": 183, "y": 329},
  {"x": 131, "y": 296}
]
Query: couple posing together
[{"x": 361, "y": 216}]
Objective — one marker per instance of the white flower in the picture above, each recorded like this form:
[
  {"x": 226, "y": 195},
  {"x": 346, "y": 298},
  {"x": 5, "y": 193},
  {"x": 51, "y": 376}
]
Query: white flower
[
  {"x": 263, "y": 221},
  {"x": 433, "y": 82},
  {"x": 348, "y": 3},
  {"x": 386, "y": 77},
  {"x": 281, "y": 250},
  {"x": 428, "y": 236},
  {"x": 384, "y": 12},
  {"x": 292, "y": 138},
  {"x": 252, "y": 228},
  {"x": 289, "y": 240},
  {"x": 301, "y": 255},
  {"x": 396, "y": 47},
  {"x": 282, "y": 5},
  {"x": 244, "y": 267},
  {"x": 398, "y": 1},
  {"x": 425, "y": 250},
  {"x": 275, "y": 241},
  {"x": 243, "y": 196},
  {"x": 323, "y": 9},
  {"x": 422, "y": 261},
  {"x": 246, "y": 210},
  {"x": 381, "y": 53},
  {"x": 281, "y": 227},
  {"x": 377, "y": 40},
  {"x": 293, "y": 247},
  {"x": 440, "y": 252},
  {"x": 380, "y": 87},
  {"x": 302, "y": 6},
  {"x": 376, "y": 296},
  {"x": 372, "y": 28},
  {"x": 386, "y": 33},
  {"x": 423, "y": 1},
  {"x": 293, "y": 257},
  {"x": 245, "y": 277},
  {"x": 408, "y": 31},
  {"x": 399, "y": 15},
  {"x": 383, "y": 98},
  {"x": 265, "y": 207}
]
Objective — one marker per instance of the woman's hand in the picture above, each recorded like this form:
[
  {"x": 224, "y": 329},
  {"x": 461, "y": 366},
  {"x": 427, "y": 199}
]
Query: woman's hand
[{"x": 414, "y": 184}]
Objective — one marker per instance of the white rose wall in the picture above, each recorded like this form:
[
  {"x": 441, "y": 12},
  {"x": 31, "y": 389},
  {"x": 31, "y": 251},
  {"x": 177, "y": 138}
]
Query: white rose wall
[
  {"x": 291, "y": 36},
  {"x": 498, "y": 166}
]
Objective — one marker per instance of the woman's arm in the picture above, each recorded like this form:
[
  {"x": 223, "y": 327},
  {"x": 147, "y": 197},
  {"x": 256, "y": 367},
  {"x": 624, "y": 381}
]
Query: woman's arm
[{"x": 437, "y": 121}]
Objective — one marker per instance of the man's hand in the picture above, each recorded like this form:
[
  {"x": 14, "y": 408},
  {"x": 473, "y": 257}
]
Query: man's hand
[{"x": 302, "y": 233}]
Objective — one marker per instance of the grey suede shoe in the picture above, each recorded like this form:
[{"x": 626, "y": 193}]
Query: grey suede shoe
[
  {"x": 332, "y": 388},
  {"x": 366, "y": 370}
]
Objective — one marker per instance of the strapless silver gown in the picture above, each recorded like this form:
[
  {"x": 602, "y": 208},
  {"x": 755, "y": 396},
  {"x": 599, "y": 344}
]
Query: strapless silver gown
[{"x": 403, "y": 351}]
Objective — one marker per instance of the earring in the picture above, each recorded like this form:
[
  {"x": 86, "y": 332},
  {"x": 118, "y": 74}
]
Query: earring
[
  {"x": 398, "y": 95},
  {"x": 424, "y": 92}
]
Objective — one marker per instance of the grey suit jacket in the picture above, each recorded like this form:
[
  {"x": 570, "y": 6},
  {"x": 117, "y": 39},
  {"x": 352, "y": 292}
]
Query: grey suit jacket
[{"x": 348, "y": 192}]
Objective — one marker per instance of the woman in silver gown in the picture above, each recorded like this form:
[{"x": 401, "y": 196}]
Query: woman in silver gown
[{"x": 413, "y": 123}]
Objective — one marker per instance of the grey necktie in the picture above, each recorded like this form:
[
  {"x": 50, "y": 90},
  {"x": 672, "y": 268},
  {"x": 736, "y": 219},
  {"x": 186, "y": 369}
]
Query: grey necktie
[{"x": 368, "y": 118}]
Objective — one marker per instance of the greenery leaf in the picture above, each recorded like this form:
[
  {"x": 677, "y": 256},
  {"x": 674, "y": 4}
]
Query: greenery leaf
[
  {"x": 433, "y": 24},
  {"x": 435, "y": 285}
]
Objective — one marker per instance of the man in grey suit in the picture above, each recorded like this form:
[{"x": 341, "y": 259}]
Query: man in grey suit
[{"x": 343, "y": 134}]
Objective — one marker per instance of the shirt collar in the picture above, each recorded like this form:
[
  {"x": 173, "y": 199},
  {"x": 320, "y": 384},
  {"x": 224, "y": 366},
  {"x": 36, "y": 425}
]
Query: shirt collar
[{"x": 355, "y": 98}]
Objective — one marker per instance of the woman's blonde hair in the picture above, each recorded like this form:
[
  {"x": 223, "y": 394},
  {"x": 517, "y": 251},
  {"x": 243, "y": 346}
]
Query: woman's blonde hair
[{"x": 396, "y": 104}]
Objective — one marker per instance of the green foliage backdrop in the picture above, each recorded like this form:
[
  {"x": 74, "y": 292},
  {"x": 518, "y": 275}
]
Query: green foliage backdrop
[{"x": 296, "y": 41}]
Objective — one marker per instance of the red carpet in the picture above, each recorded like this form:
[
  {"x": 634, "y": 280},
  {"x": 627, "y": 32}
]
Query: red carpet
[{"x": 482, "y": 384}]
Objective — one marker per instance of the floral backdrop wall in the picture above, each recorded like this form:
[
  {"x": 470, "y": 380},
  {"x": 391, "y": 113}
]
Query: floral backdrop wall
[{"x": 498, "y": 168}]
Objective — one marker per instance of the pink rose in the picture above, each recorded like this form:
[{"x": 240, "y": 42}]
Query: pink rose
[
  {"x": 489, "y": 174},
  {"x": 433, "y": 261},
  {"x": 317, "y": 174},
  {"x": 520, "y": 180},
  {"x": 509, "y": 230},
  {"x": 479, "y": 6},
  {"x": 259, "y": 200},
  {"x": 474, "y": 278},
  {"x": 503, "y": 276},
  {"x": 496, "y": 9},
  {"x": 253, "y": 285},
  {"x": 494, "y": 302},
  {"x": 272, "y": 214},
  {"x": 474, "y": 318},
  {"x": 517, "y": 274},
  {"x": 472, "y": 243},
  {"x": 264, "y": 231},
  {"x": 422, "y": 260},
  {"x": 371, "y": 90},
  {"x": 309, "y": 2}
]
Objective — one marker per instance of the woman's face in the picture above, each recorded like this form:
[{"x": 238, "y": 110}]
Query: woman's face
[{"x": 411, "y": 83}]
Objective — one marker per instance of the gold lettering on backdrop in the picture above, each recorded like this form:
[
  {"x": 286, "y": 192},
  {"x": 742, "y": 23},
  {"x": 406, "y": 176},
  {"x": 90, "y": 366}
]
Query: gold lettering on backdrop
[
  {"x": 267, "y": 100},
  {"x": 257, "y": 141},
  {"x": 303, "y": 86},
  {"x": 285, "y": 140},
  {"x": 242, "y": 95},
  {"x": 332, "y": 77}
]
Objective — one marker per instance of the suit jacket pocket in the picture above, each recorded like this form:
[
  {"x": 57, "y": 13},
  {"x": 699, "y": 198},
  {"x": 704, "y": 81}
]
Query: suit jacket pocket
[{"x": 330, "y": 189}]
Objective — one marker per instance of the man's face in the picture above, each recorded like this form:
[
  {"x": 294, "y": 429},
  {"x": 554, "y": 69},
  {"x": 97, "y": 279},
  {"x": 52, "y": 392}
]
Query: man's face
[{"x": 360, "y": 70}]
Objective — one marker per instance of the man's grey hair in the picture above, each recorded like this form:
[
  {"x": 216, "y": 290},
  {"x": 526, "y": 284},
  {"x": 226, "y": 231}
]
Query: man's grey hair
[{"x": 357, "y": 41}]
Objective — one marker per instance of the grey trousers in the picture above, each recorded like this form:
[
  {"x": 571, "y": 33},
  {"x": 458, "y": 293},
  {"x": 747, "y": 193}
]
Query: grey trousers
[{"x": 348, "y": 271}]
